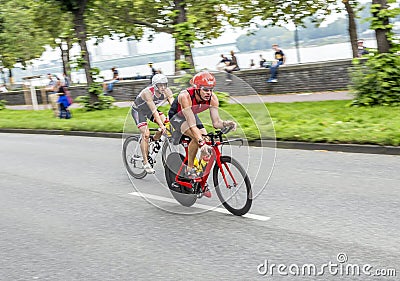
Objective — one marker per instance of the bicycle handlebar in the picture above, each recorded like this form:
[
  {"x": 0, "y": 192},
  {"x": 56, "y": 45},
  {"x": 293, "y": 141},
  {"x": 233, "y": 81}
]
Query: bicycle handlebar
[
  {"x": 226, "y": 130},
  {"x": 218, "y": 135}
]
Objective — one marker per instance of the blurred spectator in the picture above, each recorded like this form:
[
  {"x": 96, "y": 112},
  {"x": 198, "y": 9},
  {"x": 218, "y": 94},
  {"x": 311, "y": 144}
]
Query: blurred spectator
[
  {"x": 224, "y": 62},
  {"x": 2, "y": 77},
  {"x": 52, "y": 90},
  {"x": 280, "y": 59},
  {"x": 252, "y": 64},
  {"x": 108, "y": 86},
  {"x": 67, "y": 83},
  {"x": 64, "y": 102},
  {"x": 262, "y": 61},
  {"x": 233, "y": 66},
  {"x": 153, "y": 70},
  {"x": 3, "y": 88},
  {"x": 361, "y": 49}
]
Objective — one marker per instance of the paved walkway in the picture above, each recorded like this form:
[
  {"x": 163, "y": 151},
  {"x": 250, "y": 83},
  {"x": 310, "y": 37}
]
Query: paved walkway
[{"x": 297, "y": 97}]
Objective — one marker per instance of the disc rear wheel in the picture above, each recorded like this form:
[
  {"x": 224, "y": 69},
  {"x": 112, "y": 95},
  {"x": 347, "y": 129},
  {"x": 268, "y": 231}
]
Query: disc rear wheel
[{"x": 183, "y": 195}]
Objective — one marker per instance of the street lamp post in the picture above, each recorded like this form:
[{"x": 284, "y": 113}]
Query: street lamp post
[{"x": 296, "y": 40}]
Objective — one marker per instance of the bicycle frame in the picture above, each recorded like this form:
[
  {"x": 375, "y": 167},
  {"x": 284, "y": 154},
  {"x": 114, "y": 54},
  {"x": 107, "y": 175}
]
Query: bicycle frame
[{"x": 215, "y": 157}]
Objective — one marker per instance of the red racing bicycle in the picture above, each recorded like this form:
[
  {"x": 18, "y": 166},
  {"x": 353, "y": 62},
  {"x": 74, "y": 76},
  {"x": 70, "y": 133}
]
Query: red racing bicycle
[{"x": 230, "y": 179}]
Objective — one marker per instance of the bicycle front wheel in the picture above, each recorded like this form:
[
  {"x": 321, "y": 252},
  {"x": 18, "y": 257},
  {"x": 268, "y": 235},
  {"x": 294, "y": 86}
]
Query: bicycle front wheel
[
  {"x": 233, "y": 186},
  {"x": 133, "y": 159}
]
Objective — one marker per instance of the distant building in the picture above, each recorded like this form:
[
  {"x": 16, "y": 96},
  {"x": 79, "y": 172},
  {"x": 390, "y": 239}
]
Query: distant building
[{"x": 132, "y": 47}]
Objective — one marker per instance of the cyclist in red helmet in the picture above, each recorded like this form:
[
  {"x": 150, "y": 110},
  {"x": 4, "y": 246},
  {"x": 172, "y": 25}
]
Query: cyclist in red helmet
[{"x": 184, "y": 110}]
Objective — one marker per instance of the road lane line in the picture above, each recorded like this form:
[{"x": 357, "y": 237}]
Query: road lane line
[{"x": 199, "y": 206}]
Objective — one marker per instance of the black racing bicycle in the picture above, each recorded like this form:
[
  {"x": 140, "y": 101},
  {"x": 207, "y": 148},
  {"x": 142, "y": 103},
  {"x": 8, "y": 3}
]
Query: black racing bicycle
[{"x": 132, "y": 154}]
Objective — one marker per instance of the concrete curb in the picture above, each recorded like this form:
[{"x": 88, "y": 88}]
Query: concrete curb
[
  {"x": 61, "y": 132},
  {"x": 351, "y": 148}
]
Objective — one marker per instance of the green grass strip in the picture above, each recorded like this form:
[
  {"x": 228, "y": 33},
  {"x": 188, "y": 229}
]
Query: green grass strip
[{"x": 327, "y": 121}]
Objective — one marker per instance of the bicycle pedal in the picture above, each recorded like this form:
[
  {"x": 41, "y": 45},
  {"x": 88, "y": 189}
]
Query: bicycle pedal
[
  {"x": 176, "y": 187},
  {"x": 198, "y": 179}
]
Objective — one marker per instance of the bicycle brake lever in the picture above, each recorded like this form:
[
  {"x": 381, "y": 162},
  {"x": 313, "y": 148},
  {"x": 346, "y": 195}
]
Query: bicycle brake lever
[{"x": 226, "y": 130}]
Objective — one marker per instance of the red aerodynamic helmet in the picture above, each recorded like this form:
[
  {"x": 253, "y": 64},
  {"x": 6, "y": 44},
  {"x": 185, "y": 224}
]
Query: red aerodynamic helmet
[{"x": 203, "y": 79}]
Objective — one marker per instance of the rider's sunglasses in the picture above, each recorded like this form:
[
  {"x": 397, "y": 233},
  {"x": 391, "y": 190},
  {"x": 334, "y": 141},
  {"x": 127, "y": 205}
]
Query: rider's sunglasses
[
  {"x": 162, "y": 85},
  {"x": 205, "y": 89}
]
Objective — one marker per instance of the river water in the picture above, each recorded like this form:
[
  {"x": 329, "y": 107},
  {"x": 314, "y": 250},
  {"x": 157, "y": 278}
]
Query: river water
[{"x": 307, "y": 55}]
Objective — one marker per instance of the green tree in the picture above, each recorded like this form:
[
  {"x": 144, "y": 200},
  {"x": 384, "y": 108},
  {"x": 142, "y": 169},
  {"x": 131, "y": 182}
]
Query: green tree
[
  {"x": 19, "y": 42},
  {"x": 77, "y": 9},
  {"x": 60, "y": 32},
  {"x": 380, "y": 22},
  {"x": 377, "y": 81},
  {"x": 351, "y": 7},
  {"x": 282, "y": 12},
  {"x": 187, "y": 21}
]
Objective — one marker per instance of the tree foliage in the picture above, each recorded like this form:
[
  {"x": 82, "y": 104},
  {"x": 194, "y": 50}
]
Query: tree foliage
[
  {"x": 377, "y": 81},
  {"x": 187, "y": 21},
  {"x": 19, "y": 42},
  {"x": 380, "y": 21},
  {"x": 280, "y": 12}
]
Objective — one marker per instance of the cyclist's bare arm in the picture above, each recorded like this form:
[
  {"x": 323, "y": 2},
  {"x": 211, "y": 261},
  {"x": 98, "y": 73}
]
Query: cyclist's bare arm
[
  {"x": 186, "y": 103},
  {"x": 217, "y": 122},
  {"x": 147, "y": 96},
  {"x": 169, "y": 96}
]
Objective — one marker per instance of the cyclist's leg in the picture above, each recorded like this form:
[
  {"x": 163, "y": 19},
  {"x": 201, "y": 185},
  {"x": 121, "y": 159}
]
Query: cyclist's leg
[
  {"x": 141, "y": 122},
  {"x": 193, "y": 145},
  {"x": 144, "y": 144}
]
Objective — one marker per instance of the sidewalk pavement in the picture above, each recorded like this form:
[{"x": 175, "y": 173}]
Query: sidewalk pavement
[{"x": 296, "y": 97}]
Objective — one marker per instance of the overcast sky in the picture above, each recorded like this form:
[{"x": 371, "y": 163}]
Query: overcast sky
[{"x": 164, "y": 42}]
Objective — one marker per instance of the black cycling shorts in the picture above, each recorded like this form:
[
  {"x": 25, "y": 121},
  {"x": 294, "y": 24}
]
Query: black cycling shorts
[
  {"x": 141, "y": 116},
  {"x": 177, "y": 121}
]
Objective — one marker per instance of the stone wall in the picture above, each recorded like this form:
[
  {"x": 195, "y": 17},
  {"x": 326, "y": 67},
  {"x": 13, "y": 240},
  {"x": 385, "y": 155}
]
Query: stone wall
[{"x": 308, "y": 77}]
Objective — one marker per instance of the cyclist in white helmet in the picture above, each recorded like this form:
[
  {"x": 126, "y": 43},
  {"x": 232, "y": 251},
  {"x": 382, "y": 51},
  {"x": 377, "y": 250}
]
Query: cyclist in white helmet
[{"x": 145, "y": 107}]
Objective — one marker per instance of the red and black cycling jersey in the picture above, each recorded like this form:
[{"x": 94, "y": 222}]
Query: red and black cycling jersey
[{"x": 197, "y": 107}]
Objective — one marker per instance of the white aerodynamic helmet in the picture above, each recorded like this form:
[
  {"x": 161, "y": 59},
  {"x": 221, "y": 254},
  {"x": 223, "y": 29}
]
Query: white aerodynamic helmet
[{"x": 159, "y": 79}]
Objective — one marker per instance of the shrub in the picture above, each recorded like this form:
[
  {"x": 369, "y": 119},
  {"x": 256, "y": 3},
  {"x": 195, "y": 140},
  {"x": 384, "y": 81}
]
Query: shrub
[
  {"x": 96, "y": 89},
  {"x": 377, "y": 81},
  {"x": 2, "y": 104},
  {"x": 105, "y": 102}
]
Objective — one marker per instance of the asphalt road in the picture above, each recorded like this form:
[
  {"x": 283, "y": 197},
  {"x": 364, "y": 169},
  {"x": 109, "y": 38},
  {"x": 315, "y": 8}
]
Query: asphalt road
[{"x": 67, "y": 213}]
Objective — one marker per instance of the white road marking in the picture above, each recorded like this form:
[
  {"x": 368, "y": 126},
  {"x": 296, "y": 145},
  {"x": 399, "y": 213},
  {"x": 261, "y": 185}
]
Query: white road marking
[{"x": 197, "y": 205}]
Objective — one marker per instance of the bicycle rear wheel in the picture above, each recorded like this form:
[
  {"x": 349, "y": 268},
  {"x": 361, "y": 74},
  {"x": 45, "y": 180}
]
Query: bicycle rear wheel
[
  {"x": 133, "y": 159},
  {"x": 184, "y": 196},
  {"x": 167, "y": 149},
  {"x": 233, "y": 190}
]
